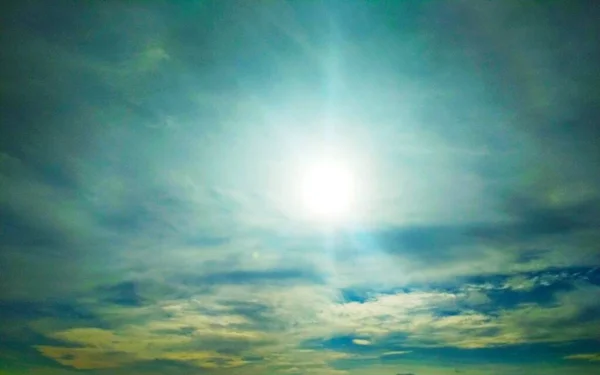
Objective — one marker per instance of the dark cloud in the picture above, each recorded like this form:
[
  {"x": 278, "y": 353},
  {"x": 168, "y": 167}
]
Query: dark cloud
[
  {"x": 48, "y": 309},
  {"x": 125, "y": 293},
  {"x": 254, "y": 277},
  {"x": 527, "y": 232},
  {"x": 536, "y": 219},
  {"x": 17, "y": 231}
]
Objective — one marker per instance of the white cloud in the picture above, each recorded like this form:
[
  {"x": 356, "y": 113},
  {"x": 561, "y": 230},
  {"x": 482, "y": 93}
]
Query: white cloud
[{"x": 396, "y": 352}]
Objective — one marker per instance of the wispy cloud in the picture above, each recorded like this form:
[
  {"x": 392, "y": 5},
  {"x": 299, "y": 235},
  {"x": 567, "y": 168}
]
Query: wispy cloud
[
  {"x": 148, "y": 155},
  {"x": 592, "y": 357}
]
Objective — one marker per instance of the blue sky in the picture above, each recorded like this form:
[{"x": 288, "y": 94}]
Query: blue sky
[{"x": 150, "y": 156}]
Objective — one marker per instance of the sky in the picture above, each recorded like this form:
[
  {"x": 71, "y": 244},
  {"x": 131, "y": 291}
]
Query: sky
[{"x": 151, "y": 155}]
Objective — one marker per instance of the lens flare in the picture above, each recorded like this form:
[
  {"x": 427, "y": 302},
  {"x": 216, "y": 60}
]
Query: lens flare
[{"x": 328, "y": 190}]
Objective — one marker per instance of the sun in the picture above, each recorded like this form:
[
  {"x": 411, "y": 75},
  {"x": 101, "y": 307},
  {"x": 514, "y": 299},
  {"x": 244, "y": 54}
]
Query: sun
[{"x": 327, "y": 190}]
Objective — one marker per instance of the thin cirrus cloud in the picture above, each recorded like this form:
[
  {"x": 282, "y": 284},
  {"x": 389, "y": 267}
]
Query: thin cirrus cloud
[
  {"x": 592, "y": 357},
  {"x": 147, "y": 157}
]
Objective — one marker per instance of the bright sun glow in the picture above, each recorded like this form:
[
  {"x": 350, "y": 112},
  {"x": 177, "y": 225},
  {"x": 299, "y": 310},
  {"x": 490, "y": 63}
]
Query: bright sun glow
[{"x": 328, "y": 190}]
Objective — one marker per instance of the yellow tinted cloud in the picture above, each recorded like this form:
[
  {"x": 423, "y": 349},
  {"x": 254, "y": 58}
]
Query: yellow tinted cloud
[
  {"x": 106, "y": 349},
  {"x": 85, "y": 358},
  {"x": 592, "y": 357}
]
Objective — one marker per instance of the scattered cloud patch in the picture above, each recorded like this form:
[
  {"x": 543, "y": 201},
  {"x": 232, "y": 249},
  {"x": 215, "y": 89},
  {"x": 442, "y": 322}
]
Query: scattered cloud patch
[
  {"x": 395, "y": 353},
  {"x": 592, "y": 357}
]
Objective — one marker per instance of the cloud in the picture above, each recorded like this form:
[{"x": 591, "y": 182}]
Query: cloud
[
  {"x": 125, "y": 293},
  {"x": 107, "y": 349},
  {"x": 592, "y": 357},
  {"x": 396, "y": 352},
  {"x": 521, "y": 282},
  {"x": 85, "y": 358},
  {"x": 209, "y": 331},
  {"x": 146, "y": 164},
  {"x": 255, "y": 277},
  {"x": 421, "y": 320}
]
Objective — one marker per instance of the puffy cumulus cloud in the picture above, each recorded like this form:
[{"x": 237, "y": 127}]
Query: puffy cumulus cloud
[{"x": 592, "y": 357}]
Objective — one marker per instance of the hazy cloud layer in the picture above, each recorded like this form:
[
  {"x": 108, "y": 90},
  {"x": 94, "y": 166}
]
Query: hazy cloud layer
[{"x": 148, "y": 154}]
